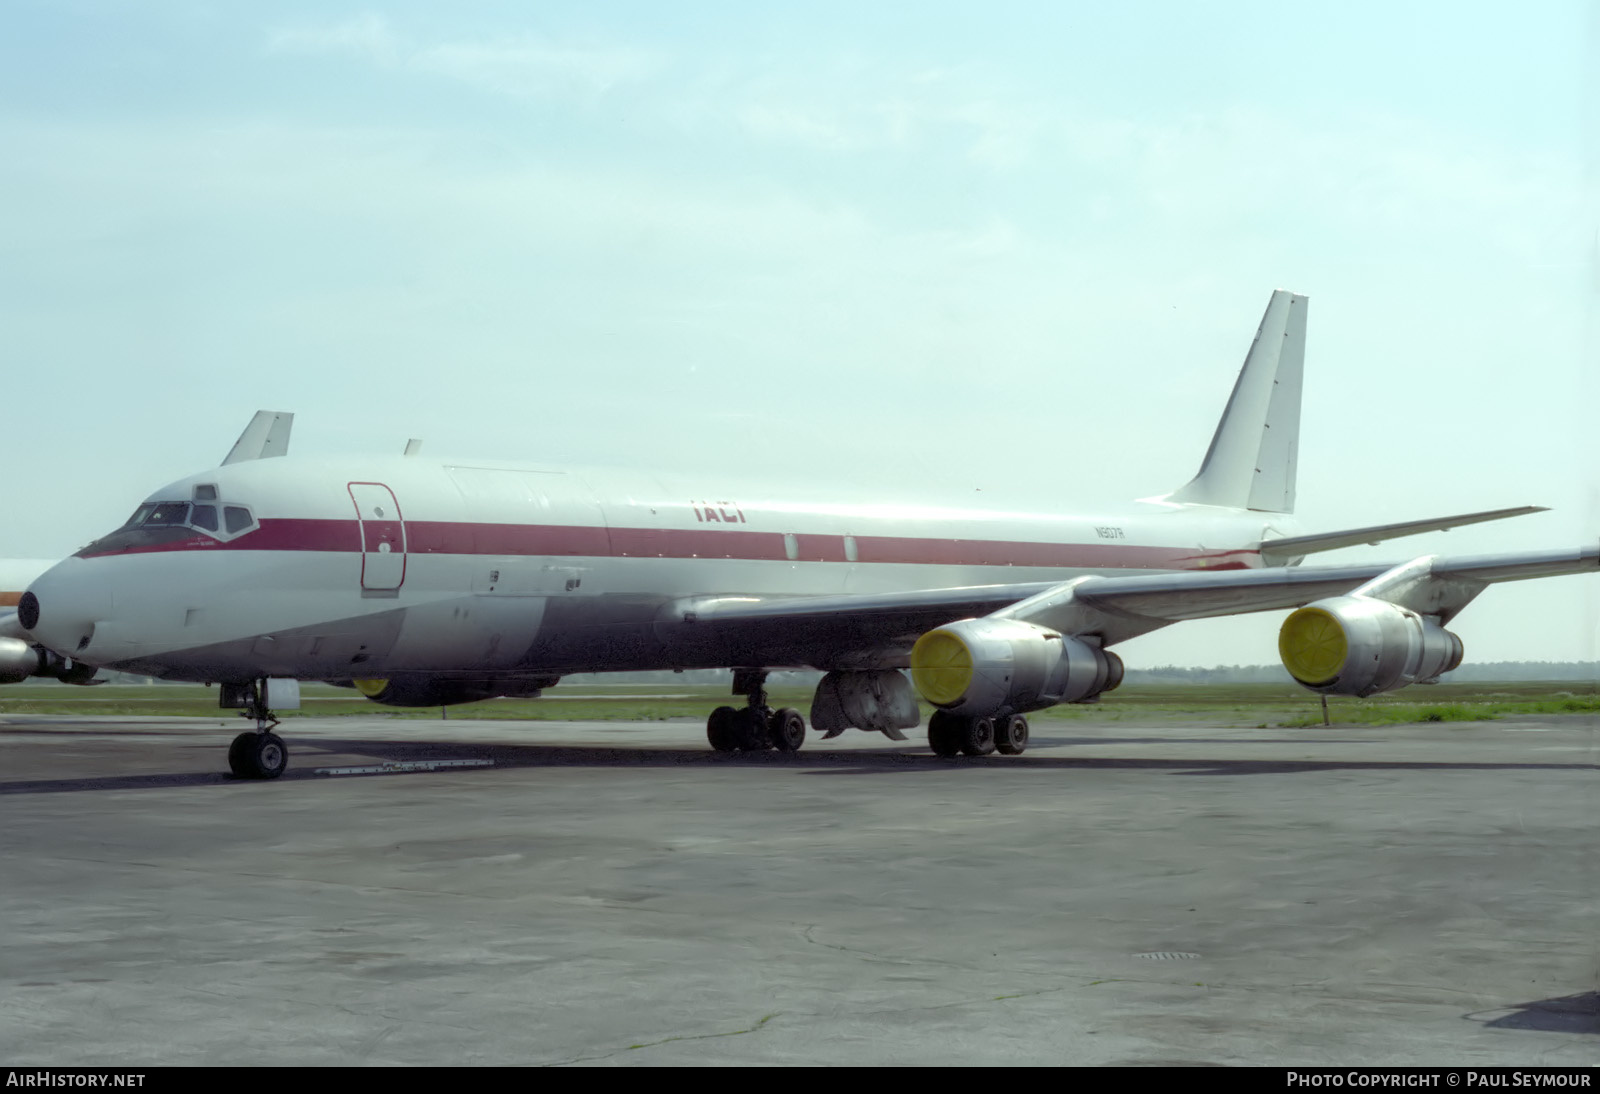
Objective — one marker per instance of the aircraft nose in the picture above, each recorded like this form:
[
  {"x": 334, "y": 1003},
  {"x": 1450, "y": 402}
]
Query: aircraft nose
[{"x": 62, "y": 606}]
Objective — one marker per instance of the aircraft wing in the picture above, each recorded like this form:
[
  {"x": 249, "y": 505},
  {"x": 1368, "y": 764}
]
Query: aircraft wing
[
  {"x": 1292, "y": 547},
  {"x": 878, "y": 629},
  {"x": 857, "y": 630}
]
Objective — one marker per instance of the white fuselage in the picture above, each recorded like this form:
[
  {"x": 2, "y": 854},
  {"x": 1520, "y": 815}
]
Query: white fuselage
[{"x": 338, "y": 569}]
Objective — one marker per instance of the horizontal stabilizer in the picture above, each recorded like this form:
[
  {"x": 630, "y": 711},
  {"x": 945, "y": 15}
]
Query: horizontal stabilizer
[
  {"x": 266, "y": 435},
  {"x": 1277, "y": 551}
]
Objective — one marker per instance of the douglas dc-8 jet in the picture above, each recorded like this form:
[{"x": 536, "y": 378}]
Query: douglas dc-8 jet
[{"x": 426, "y": 583}]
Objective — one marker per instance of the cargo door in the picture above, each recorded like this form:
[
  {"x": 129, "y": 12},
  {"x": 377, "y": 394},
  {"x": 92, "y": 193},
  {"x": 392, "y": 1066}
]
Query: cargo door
[{"x": 383, "y": 536}]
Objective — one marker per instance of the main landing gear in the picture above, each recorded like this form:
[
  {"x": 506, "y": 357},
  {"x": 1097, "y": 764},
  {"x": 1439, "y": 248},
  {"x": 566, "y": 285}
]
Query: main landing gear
[
  {"x": 952, "y": 735},
  {"x": 258, "y": 753},
  {"x": 757, "y": 727}
]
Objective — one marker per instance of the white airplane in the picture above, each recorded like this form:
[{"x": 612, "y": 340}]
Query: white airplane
[{"x": 427, "y": 583}]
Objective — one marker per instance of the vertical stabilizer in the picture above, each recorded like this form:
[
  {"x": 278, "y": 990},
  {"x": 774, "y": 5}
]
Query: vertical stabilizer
[
  {"x": 1251, "y": 461},
  {"x": 267, "y": 435}
]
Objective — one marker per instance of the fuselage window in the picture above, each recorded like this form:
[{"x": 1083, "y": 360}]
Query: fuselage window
[
  {"x": 204, "y": 517},
  {"x": 236, "y": 519}
]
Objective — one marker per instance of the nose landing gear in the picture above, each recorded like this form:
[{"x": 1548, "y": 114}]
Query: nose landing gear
[{"x": 258, "y": 753}]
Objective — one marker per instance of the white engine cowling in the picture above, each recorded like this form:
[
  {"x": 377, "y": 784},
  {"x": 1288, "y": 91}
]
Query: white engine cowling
[
  {"x": 18, "y": 660},
  {"x": 1357, "y": 645},
  {"x": 984, "y": 668}
]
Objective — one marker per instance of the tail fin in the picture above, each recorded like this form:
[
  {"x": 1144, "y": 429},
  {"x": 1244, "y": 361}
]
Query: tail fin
[
  {"x": 267, "y": 435},
  {"x": 1251, "y": 461}
]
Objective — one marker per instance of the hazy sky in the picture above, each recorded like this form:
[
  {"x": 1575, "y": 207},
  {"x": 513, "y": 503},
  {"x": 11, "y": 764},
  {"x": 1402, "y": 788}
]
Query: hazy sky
[{"x": 951, "y": 251}]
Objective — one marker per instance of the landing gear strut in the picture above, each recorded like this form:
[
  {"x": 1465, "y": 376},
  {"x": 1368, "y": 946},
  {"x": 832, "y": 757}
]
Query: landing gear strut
[
  {"x": 258, "y": 753},
  {"x": 757, "y": 727},
  {"x": 951, "y": 734}
]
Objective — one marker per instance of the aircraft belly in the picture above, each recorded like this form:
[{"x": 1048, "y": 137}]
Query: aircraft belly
[
  {"x": 330, "y": 649},
  {"x": 479, "y": 631}
]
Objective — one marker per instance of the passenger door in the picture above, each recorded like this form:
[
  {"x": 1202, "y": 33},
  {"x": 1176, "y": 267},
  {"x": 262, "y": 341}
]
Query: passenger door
[{"x": 383, "y": 536}]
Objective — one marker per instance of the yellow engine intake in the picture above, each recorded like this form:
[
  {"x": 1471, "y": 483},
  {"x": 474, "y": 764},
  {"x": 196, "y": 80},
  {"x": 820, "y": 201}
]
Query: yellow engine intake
[
  {"x": 1313, "y": 646},
  {"x": 941, "y": 667}
]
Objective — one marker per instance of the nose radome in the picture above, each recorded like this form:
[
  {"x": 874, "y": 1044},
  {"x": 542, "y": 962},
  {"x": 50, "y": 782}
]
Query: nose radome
[{"x": 60, "y": 608}]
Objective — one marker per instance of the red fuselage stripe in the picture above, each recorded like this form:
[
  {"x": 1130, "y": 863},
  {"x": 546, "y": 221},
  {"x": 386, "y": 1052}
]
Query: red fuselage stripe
[{"x": 424, "y": 537}]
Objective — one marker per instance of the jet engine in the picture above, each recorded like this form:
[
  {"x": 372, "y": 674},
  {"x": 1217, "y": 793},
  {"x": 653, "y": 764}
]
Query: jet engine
[
  {"x": 1357, "y": 645},
  {"x": 20, "y": 660},
  {"x": 984, "y": 668},
  {"x": 434, "y": 691}
]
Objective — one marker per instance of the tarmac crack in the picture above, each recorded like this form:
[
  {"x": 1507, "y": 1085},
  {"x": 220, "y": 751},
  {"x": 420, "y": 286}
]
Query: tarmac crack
[
  {"x": 668, "y": 1040},
  {"x": 868, "y": 955}
]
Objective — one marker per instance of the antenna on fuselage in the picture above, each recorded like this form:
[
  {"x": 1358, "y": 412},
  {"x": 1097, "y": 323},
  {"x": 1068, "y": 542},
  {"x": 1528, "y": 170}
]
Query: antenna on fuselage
[
  {"x": 267, "y": 435},
  {"x": 413, "y": 446}
]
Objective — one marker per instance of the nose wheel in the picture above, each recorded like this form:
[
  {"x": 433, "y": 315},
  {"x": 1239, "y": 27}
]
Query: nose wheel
[{"x": 258, "y": 753}]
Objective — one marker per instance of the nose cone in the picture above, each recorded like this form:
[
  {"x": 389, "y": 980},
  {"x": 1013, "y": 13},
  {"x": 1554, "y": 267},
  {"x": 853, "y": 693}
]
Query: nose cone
[{"x": 61, "y": 607}]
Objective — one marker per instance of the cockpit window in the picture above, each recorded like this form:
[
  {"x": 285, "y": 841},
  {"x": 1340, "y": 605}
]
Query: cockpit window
[
  {"x": 204, "y": 522},
  {"x": 164, "y": 513},
  {"x": 237, "y": 518}
]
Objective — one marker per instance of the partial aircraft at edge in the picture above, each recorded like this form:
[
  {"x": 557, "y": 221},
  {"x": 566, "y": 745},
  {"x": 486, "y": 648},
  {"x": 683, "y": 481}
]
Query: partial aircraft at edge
[{"x": 427, "y": 583}]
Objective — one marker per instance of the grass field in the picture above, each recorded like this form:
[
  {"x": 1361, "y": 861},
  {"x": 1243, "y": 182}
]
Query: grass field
[{"x": 1242, "y": 704}]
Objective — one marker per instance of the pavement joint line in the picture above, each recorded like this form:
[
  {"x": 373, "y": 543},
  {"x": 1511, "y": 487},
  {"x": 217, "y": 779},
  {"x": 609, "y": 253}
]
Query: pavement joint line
[{"x": 394, "y": 767}]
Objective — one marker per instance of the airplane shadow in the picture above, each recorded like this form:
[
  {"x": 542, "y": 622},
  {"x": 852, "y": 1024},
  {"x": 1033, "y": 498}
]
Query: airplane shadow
[
  {"x": 1566, "y": 1014},
  {"x": 909, "y": 758}
]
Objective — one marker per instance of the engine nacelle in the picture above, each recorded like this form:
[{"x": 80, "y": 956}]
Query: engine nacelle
[
  {"x": 20, "y": 659},
  {"x": 1356, "y": 645},
  {"x": 984, "y": 668},
  {"x": 431, "y": 691}
]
